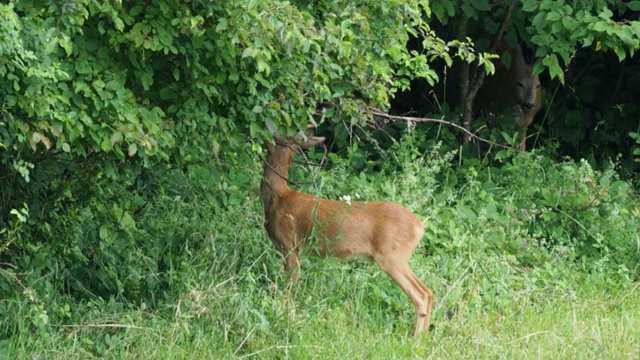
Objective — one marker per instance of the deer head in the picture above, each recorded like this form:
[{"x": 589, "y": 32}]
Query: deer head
[{"x": 513, "y": 90}]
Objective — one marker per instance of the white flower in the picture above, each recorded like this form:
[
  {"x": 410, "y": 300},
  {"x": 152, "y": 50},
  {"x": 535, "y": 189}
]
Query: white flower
[{"x": 346, "y": 198}]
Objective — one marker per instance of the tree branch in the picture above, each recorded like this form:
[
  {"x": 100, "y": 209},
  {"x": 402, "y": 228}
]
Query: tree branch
[
  {"x": 475, "y": 76},
  {"x": 409, "y": 119}
]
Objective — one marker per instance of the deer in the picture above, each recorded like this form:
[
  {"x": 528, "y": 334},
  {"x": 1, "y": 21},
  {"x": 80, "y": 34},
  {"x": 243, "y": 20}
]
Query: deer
[
  {"x": 385, "y": 232},
  {"x": 513, "y": 91}
]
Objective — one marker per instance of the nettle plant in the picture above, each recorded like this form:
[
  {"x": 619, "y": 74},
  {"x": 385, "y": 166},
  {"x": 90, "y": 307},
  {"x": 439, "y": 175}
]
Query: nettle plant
[{"x": 573, "y": 211}]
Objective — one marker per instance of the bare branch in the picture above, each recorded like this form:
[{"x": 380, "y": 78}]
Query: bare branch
[{"x": 379, "y": 113}]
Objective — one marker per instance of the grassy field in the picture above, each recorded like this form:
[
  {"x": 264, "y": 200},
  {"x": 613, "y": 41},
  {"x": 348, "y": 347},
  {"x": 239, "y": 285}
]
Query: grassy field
[
  {"x": 521, "y": 266},
  {"x": 347, "y": 311}
]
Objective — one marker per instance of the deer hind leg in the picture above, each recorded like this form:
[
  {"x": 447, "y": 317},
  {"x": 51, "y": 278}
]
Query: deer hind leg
[
  {"x": 422, "y": 323},
  {"x": 420, "y": 294}
]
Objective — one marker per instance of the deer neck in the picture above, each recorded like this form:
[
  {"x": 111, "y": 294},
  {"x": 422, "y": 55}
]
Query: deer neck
[{"x": 276, "y": 170}]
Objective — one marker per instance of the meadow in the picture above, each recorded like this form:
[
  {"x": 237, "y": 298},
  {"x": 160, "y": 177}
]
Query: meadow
[{"x": 523, "y": 266}]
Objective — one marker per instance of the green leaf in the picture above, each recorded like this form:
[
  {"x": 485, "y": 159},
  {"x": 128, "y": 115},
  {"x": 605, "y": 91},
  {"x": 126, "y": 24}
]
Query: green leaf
[
  {"x": 147, "y": 80},
  {"x": 165, "y": 8},
  {"x": 491, "y": 209},
  {"x": 106, "y": 232},
  {"x": 98, "y": 84},
  {"x": 466, "y": 213},
  {"x": 618, "y": 187},
  {"x": 66, "y": 44},
  {"x": 540, "y": 20},
  {"x": 554, "y": 67},
  {"x": 263, "y": 67},
  {"x": 271, "y": 126},
  {"x": 116, "y": 137},
  {"x": 106, "y": 145},
  {"x": 136, "y": 10},
  {"x": 600, "y": 26},
  {"x": 133, "y": 149},
  {"x": 551, "y": 197},
  {"x": 554, "y": 16},
  {"x": 222, "y": 25},
  {"x": 481, "y": 5},
  {"x": 119, "y": 25},
  {"x": 126, "y": 221},
  {"x": 82, "y": 66},
  {"x": 570, "y": 23},
  {"x": 19, "y": 215},
  {"x": 36, "y": 137},
  {"x": 438, "y": 10},
  {"x": 165, "y": 37},
  {"x": 166, "y": 93}
]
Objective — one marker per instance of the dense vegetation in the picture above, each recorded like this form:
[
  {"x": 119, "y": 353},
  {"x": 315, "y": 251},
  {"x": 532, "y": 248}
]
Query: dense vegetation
[{"x": 130, "y": 158}]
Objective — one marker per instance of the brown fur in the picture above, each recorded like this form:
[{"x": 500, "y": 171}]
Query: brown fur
[
  {"x": 386, "y": 232},
  {"x": 512, "y": 90}
]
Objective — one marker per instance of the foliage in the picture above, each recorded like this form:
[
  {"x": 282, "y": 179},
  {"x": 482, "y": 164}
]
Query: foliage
[
  {"x": 148, "y": 71},
  {"x": 591, "y": 124},
  {"x": 130, "y": 159},
  {"x": 510, "y": 271},
  {"x": 636, "y": 147},
  {"x": 102, "y": 100},
  {"x": 555, "y": 28},
  {"x": 584, "y": 47},
  {"x": 112, "y": 109}
]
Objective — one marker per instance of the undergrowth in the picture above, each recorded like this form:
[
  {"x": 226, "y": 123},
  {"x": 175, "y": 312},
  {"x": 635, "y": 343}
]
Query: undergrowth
[{"x": 529, "y": 259}]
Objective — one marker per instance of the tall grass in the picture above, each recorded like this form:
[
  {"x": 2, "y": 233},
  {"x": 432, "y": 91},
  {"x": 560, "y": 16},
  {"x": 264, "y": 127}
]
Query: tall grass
[{"x": 509, "y": 283}]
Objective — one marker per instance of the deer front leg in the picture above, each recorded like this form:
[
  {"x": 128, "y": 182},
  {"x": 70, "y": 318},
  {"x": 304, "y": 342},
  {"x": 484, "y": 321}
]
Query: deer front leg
[
  {"x": 292, "y": 266},
  {"x": 522, "y": 139}
]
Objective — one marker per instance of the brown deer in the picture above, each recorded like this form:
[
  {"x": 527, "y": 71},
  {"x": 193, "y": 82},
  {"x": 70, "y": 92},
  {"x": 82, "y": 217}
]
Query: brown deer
[
  {"x": 386, "y": 232},
  {"x": 513, "y": 90}
]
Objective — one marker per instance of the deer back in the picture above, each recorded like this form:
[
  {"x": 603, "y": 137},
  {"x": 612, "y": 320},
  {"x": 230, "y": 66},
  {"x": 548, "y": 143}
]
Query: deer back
[{"x": 342, "y": 229}]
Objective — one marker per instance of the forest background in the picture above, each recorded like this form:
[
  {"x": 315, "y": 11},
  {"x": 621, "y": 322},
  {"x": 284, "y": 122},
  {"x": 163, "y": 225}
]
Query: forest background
[{"x": 131, "y": 154}]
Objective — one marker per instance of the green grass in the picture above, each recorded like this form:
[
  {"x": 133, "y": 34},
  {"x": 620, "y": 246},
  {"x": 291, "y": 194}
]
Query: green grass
[
  {"x": 514, "y": 278},
  {"x": 593, "y": 326},
  {"x": 341, "y": 312}
]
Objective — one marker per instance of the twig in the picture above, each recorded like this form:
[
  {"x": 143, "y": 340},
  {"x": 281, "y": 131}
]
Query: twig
[
  {"x": 531, "y": 335},
  {"x": 244, "y": 341},
  {"x": 382, "y": 114}
]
